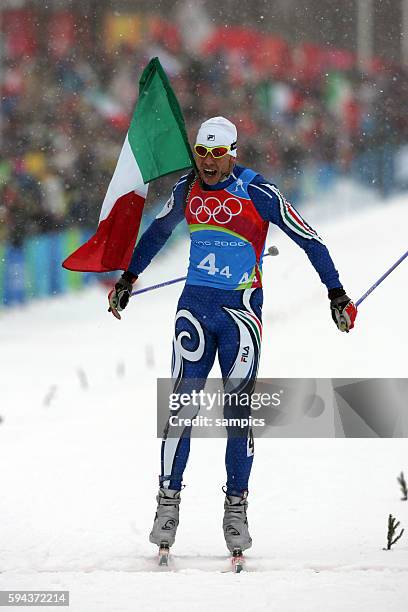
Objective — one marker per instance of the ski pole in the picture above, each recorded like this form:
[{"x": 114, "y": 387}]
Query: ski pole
[
  {"x": 273, "y": 250},
  {"x": 380, "y": 280},
  {"x": 169, "y": 282}
]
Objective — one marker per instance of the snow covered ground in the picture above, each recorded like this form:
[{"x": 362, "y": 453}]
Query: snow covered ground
[{"x": 79, "y": 457}]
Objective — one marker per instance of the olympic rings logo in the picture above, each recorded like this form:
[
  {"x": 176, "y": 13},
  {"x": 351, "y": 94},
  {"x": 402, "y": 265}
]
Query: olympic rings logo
[{"x": 222, "y": 212}]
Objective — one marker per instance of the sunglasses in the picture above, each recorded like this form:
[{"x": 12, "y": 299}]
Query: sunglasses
[{"x": 216, "y": 152}]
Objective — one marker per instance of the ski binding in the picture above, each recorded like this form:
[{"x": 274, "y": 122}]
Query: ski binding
[
  {"x": 164, "y": 552},
  {"x": 237, "y": 560}
]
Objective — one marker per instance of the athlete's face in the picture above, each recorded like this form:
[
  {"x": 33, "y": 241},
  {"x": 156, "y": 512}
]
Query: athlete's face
[{"x": 212, "y": 170}]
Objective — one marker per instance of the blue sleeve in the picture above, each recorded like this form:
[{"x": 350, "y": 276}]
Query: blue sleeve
[
  {"x": 160, "y": 230},
  {"x": 273, "y": 207}
]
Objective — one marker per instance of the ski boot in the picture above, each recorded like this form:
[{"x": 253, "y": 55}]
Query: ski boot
[
  {"x": 235, "y": 526},
  {"x": 166, "y": 522}
]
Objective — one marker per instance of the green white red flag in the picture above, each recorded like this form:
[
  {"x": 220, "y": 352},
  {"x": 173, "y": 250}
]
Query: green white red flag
[{"x": 156, "y": 144}]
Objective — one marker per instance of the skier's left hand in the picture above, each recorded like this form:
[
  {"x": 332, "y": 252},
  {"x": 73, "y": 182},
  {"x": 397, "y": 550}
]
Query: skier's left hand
[
  {"x": 343, "y": 310},
  {"x": 119, "y": 296}
]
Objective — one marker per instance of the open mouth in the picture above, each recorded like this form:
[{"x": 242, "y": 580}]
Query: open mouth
[{"x": 209, "y": 173}]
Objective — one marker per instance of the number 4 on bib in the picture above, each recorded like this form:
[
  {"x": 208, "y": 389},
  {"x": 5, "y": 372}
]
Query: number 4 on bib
[
  {"x": 245, "y": 278},
  {"x": 208, "y": 264}
]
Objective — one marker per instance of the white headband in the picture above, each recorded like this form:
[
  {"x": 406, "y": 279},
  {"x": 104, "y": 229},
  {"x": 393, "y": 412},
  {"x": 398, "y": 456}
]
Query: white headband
[{"x": 218, "y": 132}]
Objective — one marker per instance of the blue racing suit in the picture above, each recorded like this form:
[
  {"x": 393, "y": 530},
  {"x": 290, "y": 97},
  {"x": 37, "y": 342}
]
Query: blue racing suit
[{"x": 220, "y": 308}]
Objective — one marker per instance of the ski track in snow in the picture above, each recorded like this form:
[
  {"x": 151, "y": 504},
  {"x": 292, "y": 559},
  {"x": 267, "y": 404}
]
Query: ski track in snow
[{"x": 80, "y": 458}]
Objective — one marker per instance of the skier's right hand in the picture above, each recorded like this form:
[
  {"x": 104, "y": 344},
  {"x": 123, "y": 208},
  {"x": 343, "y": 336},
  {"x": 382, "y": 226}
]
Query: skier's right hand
[{"x": 119, "y": 296}]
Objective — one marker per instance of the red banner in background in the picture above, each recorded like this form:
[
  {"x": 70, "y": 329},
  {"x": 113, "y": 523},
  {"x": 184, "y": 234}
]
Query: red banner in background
[
  {"x": 61, "y": 33},
  {"x": 20, "y": 29},
  {"x": 274, "y": 57},
  {"x": 246, "y": 40},
  {"x": 165, "y": 33},
  {"x": 340, "y": 59}
]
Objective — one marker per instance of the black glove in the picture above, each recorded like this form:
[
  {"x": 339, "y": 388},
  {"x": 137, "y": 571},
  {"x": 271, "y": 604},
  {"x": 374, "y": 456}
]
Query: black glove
[
  {"x": 343, "y": 310},
  {"x": 119, "y": 296}
]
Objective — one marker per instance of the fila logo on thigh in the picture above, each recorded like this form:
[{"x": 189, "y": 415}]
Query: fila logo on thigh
[{"x": 245, "y": 354}]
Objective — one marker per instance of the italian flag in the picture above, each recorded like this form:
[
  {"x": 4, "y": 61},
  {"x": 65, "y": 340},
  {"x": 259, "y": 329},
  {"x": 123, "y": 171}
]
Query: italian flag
[{"x": 156, "y": 144}]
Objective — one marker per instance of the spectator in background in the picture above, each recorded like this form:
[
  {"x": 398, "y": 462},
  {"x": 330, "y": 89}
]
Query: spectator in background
[{"x": 65, "y": 117}]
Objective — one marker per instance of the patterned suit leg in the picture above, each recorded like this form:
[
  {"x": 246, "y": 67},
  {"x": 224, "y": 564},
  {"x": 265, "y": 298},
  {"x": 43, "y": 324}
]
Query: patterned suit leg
[
  {"x": 239, "y": 349},
  {"x": 194, "y": 349}
]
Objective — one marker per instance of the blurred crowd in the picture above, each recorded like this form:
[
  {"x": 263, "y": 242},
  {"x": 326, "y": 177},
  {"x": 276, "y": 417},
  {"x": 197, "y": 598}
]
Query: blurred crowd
[{"x": 64, "y": 120}]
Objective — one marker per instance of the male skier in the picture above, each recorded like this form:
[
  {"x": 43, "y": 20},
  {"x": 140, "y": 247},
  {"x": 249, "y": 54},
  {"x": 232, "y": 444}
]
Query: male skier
[{"x": 228, "y": 209}]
